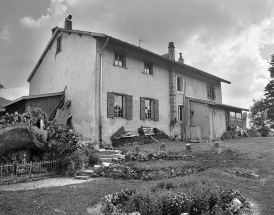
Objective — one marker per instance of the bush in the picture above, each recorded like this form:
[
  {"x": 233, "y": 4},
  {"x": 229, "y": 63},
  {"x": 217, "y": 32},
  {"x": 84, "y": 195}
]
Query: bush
[{"x": 253, "y": 132}]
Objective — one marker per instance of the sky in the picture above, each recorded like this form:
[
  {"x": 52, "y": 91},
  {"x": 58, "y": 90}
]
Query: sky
[{"x": 231, "y": 39}]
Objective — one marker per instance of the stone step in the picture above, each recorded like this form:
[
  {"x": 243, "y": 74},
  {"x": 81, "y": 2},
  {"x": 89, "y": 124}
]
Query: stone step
[
  {"x": 110, "y": 156},
  {"x": 108, "y": 151},
  {"x": 82, "y": 177}
]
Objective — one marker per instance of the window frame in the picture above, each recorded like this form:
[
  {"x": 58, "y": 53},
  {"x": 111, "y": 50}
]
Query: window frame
[
  {"x": 154, "y": 111},
  {"x": 180, "y": 115},
  {"x": 211, "y": 92},
  {"x": 58, "y": 44},
  {"x": 149, "y": 64},
  {"x": 127, "y": 102},
  {"x": 123, "y": 105},
  {"x": 124, "y": 64},
  {"x": 179, "y": 84}
]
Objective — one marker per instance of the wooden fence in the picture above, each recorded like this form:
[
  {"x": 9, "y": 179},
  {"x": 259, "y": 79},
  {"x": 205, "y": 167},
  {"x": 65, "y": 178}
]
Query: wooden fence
[{"x": 24, "y": 171}]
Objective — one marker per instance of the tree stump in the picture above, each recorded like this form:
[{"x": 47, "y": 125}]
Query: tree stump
[
  {"x": 188, "y": 147},
  {"x": 163, "y": 147},
  {"x": 137, "y": 149}
]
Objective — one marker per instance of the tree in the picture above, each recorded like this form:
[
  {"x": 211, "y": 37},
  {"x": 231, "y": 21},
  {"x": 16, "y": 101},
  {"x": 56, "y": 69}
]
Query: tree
[
  {"x": 260, "y": 117},
  {"x": 269, "y": 91}
]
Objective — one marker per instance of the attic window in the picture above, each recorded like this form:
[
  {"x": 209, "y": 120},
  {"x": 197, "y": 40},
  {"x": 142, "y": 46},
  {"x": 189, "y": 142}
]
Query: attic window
[
  {"x": 211, "y": 94},
  {"x": 119, "y": 59},
  {"x": 148, "y": 68},
  {"x": 59, "y": 45}
]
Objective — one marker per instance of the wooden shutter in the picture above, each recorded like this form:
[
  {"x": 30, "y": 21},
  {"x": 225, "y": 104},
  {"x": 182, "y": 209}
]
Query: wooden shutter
[
  {"x": 110, "y": 105},
  {"x": 142, "y": 108},
  {"x": 213, "y": 93},
  {"x": 129, "y": 107},
  {"x": 156, "y": 110}
]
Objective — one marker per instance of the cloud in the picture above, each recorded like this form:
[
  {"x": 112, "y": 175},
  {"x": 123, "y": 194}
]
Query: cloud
[
  {"x": 56, "y": 11},
  {"x": 5, "y": 34},
  {"x": 14, "y": 93}
]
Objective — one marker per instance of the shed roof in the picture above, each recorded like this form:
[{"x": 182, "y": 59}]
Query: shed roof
[
  {"x": 34, "y": 96},
  {"x": 215, "y": 103},
  {"x": 99, "y": 35}
]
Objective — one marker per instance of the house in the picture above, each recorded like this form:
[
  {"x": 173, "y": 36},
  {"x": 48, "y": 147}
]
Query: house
[{"x": 112, "y": 83}]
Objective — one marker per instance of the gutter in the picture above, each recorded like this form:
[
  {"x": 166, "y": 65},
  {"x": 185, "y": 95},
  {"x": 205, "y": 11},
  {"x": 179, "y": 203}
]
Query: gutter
[{"x": 101, "y": 90}]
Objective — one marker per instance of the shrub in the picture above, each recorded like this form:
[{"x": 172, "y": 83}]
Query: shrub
[{"x": 253, "y": 132}]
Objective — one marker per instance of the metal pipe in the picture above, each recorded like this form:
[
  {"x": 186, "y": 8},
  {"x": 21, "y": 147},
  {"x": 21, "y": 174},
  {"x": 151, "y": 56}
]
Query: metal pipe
[{"x": 101, "y": 90}]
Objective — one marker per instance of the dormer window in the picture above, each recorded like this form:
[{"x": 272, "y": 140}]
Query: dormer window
[
  {"x": 119, "y": 59},
  {"x": 59, "y": 45}
]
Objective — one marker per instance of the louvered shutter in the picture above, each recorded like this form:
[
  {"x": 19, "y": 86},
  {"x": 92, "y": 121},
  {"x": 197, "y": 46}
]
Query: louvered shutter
[
  {"x": 142, "y": 108},
  {"x": 110, "y": 105},
  {"x": 129, "y": 107},
  {"x": 156, "y": 110}
]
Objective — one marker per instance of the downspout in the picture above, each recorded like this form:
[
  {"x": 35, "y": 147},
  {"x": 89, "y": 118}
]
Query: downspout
[{"x": 101, "y": 90}]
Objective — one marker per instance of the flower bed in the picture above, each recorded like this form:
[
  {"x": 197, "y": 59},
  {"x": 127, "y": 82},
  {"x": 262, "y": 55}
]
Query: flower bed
[
  {"x": 126, "y": 172},
  {"x": 244, "y": 173},
  {"x": 172, "y": 198}
]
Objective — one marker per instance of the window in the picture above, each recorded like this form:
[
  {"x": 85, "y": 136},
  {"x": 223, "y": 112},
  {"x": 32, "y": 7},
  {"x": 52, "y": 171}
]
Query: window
[
  {"x": 119, "y": 105},
  {"x": 211, "y": 94},
  {"x": 119, "y": 59},
  {"x": 238, "y": 115},
  {"x": 59, "y": 45},
  {"x": 180, "y": 112},
  {"x": 148, "y": 68},
  {"x": 149, "y": 109},
  {"x": 179, "y": 84},
  {"x": 232, "y": 114}
]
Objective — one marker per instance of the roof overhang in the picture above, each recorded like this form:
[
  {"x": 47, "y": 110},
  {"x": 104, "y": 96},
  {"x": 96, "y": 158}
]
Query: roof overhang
[
  {"x": 215, "y": 104},
  {"x": 33, "y": 97}
]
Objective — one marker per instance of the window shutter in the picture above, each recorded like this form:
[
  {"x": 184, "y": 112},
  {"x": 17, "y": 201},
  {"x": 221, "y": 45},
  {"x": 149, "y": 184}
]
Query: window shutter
[
  {"x": 129, "y": 107},
  {"x": 156, "y": 110},
  {"x": 142, "y": 108},
  {"x": 214, "y": 93},
  {"x": 110, "y": 108}
]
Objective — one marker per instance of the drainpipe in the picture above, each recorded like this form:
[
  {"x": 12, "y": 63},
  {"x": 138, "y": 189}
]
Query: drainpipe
[{"x": 101, "y": 90}]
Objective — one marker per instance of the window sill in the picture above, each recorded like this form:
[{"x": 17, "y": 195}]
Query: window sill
[
  {"x": 124, "y": 67},
  {"x": 147, "y": 74}
]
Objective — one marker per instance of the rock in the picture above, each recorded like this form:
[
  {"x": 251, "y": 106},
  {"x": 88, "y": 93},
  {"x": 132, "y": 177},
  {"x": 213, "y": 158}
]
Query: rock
[
  {"x": 188, "y": 147},
  {"x": 235, "y": 205}
]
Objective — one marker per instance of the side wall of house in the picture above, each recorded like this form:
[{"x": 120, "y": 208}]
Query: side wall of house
[
  {"x": 75, "y": 68},
  {"x": 210, "y": 119},
  {"x": 132, "y": 81}
]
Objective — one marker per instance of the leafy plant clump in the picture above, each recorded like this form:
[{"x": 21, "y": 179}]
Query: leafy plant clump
[{"x": 167, "y": 197}]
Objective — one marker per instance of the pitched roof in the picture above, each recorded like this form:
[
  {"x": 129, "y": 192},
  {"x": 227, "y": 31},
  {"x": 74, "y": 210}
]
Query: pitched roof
[
  {"x": 215, "y": 103},
  {"x": 99, "y": 35},
  {"x": 34, "y": 96}
]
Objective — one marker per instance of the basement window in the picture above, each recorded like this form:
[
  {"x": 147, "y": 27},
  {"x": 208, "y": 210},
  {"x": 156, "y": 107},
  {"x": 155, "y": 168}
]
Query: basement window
[
  {"x": 119, "y": 59},
  {"x": 59, "y": 45},
  {"x": 148, "y": 68}
]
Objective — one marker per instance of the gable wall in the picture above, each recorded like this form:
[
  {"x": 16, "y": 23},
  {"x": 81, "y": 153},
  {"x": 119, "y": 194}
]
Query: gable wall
[{"x": 74, "y": 67}]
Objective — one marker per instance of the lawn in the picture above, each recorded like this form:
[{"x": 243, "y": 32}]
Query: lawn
[{"x": 249, "y": 153}]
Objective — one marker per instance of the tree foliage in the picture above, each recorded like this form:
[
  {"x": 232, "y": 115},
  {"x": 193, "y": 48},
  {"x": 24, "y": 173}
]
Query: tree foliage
[{"x": 260, "y": 117}]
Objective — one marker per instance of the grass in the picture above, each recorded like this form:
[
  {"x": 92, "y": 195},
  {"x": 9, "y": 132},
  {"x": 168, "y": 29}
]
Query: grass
[{"x": 249, "y": 153}]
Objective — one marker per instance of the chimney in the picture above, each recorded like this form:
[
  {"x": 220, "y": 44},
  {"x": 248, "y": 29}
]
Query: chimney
[
  {"x": 171, "y": 53},
  {"x": 181, "y": 59},
  {"x": 53, "y": 30},
  {"x": 68, "y": 23}
]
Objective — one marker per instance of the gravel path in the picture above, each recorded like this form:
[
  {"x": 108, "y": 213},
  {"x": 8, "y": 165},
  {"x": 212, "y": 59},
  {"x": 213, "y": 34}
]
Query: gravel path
[{"x": 49, "y": 182}]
